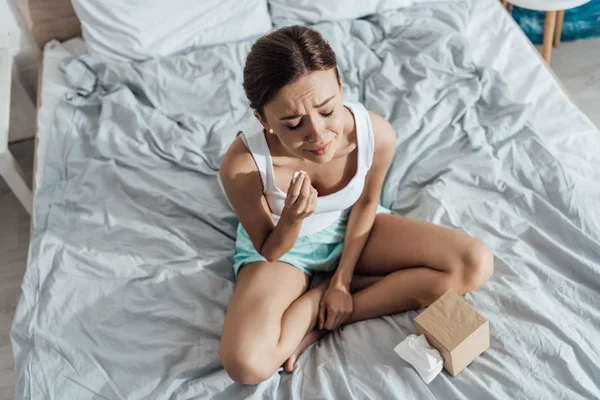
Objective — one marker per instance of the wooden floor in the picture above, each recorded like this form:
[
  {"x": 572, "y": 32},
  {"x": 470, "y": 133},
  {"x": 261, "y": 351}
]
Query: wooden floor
[
  {"x": 577, "y": 64},
  {"x": 14, "y": 242}
]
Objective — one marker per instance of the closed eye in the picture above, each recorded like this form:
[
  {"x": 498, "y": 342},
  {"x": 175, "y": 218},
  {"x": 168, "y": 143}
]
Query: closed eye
[
  {"x": 299, "y": 124},
  {"x": 291, "y": 128}
]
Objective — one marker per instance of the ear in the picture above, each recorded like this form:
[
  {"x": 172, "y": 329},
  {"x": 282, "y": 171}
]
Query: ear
[{"x": 262, "y": 120}]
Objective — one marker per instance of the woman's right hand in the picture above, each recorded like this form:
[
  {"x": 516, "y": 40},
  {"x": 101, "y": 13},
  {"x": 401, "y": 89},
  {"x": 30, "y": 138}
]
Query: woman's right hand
[{"x": 301, "y": 199}]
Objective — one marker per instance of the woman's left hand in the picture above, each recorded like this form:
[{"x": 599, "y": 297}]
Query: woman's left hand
[{"x": 335, "y": 307}]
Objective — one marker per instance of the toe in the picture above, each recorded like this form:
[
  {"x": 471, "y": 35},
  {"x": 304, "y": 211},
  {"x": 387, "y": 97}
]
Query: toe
[{"x": 289, "y": 364}]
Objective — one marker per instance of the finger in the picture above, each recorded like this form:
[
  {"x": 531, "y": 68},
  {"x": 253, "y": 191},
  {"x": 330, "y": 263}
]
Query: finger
[
  {"x": 321, "y": 316},
  {"x": 330, "y": 320},
  {"x": 306, "y": 186},
  {"x": 308, "y": 206},
  {"x": 294, "y": 191},
  {"x": 338, "y": 321},
  {"x": 333, "y": 324},
  {"x": 304, "y": 197},
  {"x": 306, "y": 177},
  {"x": 313, "y": 200}
]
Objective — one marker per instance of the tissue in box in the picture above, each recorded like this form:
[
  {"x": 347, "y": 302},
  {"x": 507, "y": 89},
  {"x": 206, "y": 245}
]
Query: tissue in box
[{"x": 455, "y": 329}]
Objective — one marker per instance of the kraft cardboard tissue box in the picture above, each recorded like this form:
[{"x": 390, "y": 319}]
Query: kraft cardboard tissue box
[{"x": 455, "y": 329}]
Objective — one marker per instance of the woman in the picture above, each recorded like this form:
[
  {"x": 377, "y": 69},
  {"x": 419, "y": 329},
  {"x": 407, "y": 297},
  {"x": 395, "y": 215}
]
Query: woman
[{"x": 328, "y": 220}]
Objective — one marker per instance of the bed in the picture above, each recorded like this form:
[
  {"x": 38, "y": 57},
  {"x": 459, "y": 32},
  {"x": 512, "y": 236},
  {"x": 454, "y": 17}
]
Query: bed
[{"x": 129, "y": 269}]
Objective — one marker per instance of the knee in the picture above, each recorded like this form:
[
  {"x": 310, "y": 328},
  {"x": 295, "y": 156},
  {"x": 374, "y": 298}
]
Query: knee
[
  {"x": 478, "y": 266},
  {"x": 246, "y": 366},
  {"x": 474, "y": 269}
]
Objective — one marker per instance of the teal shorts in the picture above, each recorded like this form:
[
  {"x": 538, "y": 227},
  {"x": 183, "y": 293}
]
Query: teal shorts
[{"x": 317, "y": 252}]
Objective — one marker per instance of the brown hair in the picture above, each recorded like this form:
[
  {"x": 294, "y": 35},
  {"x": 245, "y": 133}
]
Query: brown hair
[{"x": 281, "y": 57}]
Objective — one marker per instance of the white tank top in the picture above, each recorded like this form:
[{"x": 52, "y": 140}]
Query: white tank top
[{"x": 330, "y": 207}]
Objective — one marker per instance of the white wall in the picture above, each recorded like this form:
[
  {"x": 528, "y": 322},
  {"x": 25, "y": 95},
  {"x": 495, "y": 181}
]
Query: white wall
[{"x": 24, "y": 82}]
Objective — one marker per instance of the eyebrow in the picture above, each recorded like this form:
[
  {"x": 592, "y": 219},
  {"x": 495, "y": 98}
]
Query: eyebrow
[{"x": 299, "y": 115}]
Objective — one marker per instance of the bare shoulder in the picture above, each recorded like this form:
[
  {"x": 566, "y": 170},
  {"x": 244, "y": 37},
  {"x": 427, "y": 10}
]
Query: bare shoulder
[
  {"x": 237, "y": 159},
  {"x": 238, "y": 171},
  {"x": 385, "y": 135}
]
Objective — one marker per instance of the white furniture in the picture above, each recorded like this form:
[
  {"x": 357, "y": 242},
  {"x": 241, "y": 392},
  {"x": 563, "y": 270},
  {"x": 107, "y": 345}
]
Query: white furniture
[
  {"x": 555, "y": 14},
  {"x": 9, "y": 168}
]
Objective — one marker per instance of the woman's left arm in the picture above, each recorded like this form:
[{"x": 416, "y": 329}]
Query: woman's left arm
[{"x": 336, "y": 304}]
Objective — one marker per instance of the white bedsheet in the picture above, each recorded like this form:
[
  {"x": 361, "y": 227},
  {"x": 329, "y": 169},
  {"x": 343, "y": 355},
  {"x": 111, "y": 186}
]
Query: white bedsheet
[
  {"x": 471, "y": 155},
  {"x": 54, "y": 87},
  {"x": 496, "y": 41}
]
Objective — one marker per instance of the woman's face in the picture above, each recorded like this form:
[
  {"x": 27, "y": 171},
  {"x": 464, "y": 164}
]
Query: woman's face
[{"x": 308, "y": 116}]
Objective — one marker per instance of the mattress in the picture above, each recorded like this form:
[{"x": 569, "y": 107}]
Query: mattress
[{"x": 129, "y": 273}]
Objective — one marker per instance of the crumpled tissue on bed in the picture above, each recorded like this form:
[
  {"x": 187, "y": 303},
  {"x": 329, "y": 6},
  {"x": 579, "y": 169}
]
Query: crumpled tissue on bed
[{"x": 417, "y": 351}]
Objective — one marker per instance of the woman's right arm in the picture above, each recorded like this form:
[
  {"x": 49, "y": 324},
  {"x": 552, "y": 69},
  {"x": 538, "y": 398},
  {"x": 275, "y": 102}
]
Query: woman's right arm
[{"x": 243, "y": 187}]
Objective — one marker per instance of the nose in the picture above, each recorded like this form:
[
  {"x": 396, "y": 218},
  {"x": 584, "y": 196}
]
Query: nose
[{"x": 317, "y": 132}]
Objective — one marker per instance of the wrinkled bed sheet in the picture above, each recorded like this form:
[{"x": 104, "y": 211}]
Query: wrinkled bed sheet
[{"x": 129, "y": 272}]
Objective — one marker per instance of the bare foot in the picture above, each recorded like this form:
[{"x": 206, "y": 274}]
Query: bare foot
[
  {"x": 311, "y": 336},
  {"x": 308, "y": 339}
]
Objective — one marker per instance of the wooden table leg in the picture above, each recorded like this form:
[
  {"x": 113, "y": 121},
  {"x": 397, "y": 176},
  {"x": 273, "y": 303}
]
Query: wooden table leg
[
  {"x": 548, "y": 35},
  {"x": 560, "y": 17}
]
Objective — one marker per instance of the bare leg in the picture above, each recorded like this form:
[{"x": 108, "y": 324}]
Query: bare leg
[
  {"x": 400, "y": 291},
  {"x": 358, "y": 283},
  {"x": 395, "y": 278},
  {"x": 418, "y": 262},
  {"x": 309, "y": 339},
  {"x": 397, "y": 292},
  {"x": 299, "y": 319},
  {"x": 265, "y": 323}
]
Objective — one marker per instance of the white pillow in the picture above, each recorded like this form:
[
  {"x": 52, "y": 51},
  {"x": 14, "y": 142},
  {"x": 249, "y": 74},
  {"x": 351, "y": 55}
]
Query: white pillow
[
  {"x": 143, "y": 29},
  {"x": 292, "y": 12}
]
